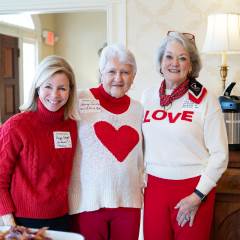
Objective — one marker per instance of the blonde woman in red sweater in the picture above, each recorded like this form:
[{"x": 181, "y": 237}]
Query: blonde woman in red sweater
[{"x": 37, "y": 148}]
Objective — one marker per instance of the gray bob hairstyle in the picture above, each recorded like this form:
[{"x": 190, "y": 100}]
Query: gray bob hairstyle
[
  {"x": 120, "y": 52},
  {"x": 188, "y": 44},
  {"x": 46, "y": 69}
]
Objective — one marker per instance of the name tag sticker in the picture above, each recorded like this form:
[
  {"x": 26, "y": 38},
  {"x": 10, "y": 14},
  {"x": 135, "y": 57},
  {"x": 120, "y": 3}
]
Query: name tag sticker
[
  {"x": 62, "y": 140},
  {"x": 188, "y": 104},
  {"x": 89, "y": 105}
]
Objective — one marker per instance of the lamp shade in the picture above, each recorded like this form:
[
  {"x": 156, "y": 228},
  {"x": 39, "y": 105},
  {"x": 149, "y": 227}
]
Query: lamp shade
[{"x": 223, "y": 34}]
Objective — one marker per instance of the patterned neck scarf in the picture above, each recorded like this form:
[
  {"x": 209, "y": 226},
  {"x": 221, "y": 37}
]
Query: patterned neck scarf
[{"x": 178, "y": 92}]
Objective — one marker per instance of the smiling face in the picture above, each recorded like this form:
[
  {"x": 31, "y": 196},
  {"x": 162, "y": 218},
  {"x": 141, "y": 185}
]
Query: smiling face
[
  {"x": 117, "y": 78},
  {"x": 54, "y": 93},
  {"x": 175, "y": 64}
]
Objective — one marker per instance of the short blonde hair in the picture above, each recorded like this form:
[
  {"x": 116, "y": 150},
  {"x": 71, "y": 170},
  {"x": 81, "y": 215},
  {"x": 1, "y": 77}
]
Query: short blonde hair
[{"x": 46, "y": 69}]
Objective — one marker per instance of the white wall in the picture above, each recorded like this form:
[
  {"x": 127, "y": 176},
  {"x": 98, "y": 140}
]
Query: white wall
[
  {"x": 46, "y": 22},
  {"x": 81, "y": 35},
  {"x": 149, "y": 21}
]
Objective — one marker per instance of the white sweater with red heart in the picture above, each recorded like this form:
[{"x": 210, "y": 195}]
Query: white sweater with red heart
[{"x": 108, "y": 167}]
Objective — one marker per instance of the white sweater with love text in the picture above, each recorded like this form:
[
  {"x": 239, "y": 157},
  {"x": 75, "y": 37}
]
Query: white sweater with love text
[{"x": 185, "y": 140}]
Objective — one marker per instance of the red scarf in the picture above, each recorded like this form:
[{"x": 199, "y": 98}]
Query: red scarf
[{"x": 178, "y": 92}]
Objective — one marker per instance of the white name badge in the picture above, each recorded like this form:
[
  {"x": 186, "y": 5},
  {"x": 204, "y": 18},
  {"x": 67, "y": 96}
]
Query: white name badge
[
  {"x": 89, "y": 105},
  {"x": 62, "y": 140},
  {"x": 188, "y": 104}
]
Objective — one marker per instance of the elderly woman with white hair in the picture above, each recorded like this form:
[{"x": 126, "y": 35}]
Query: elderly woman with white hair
[{"x": 107, "y": 179}]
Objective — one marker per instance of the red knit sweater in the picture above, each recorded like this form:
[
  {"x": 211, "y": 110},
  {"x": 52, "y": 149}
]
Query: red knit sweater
[{"x": 34, "y": 175}]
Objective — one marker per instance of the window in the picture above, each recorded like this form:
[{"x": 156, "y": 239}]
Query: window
[
  {"x": 29, "y": 66},
  {"x": 21, "y": 20}
]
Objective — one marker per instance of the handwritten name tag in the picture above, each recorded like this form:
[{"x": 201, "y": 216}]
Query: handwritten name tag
[
  {"x": 188, "y": 104},
  {"x": 89, "y": 105},
  {"x": 62, "y": 140}
]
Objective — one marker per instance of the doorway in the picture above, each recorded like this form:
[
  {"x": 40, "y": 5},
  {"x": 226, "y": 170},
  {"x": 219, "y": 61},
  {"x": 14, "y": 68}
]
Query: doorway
[{"x": 9, "y": 77}]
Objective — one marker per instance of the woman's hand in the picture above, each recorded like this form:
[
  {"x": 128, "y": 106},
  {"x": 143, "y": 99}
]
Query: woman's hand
[
  {"x": 188, "y": 207},
  {"x": 8, "y": 220}
]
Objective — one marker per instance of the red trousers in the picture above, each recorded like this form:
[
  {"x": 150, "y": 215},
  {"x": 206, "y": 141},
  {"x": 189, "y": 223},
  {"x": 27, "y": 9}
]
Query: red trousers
[
  {"x": 108, "y": 224},
  {"x": 160, "y": 198}
]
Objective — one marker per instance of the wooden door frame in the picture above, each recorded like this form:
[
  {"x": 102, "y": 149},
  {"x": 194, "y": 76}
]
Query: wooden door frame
[
  {"x": 115, "y": 10},
  {"x": 9, "y": 76}
]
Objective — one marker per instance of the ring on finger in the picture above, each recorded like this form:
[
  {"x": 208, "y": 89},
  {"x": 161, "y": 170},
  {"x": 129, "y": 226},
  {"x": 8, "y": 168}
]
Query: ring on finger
[{"x": 187, "y": 218}]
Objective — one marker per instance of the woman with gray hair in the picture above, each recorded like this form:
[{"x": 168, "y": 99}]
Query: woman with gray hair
[
  {"x": 37, "y": 148},
  {"x": 107, "y": 179},
  {"x": 186, "y": 148}
]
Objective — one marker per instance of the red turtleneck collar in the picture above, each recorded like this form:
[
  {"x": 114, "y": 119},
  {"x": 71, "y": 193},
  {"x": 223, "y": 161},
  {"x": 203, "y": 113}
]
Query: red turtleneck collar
[
  {"x": 48, "y": 116},
  {"x": 112, "y": 104}
]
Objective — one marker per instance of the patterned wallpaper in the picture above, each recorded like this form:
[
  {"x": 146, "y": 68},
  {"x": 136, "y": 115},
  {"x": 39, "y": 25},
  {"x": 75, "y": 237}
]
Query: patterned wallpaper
[{"x": 148, "y": 22}]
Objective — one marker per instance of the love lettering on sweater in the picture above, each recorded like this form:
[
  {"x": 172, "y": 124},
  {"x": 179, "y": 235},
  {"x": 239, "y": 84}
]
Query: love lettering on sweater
[{"x": 160, "y": 115}]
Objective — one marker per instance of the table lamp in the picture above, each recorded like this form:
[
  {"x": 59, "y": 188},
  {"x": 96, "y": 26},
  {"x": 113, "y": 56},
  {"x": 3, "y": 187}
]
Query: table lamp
[{"x": 223, "y": 37}]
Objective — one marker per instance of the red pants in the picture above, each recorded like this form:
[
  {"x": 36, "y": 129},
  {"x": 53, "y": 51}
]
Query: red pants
[
  {"x": 108, "y": 224},
  {"x": 160, "y": 198}
]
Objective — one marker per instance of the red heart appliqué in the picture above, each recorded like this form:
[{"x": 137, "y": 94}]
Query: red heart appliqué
[{"x": 119, "y": 142}]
